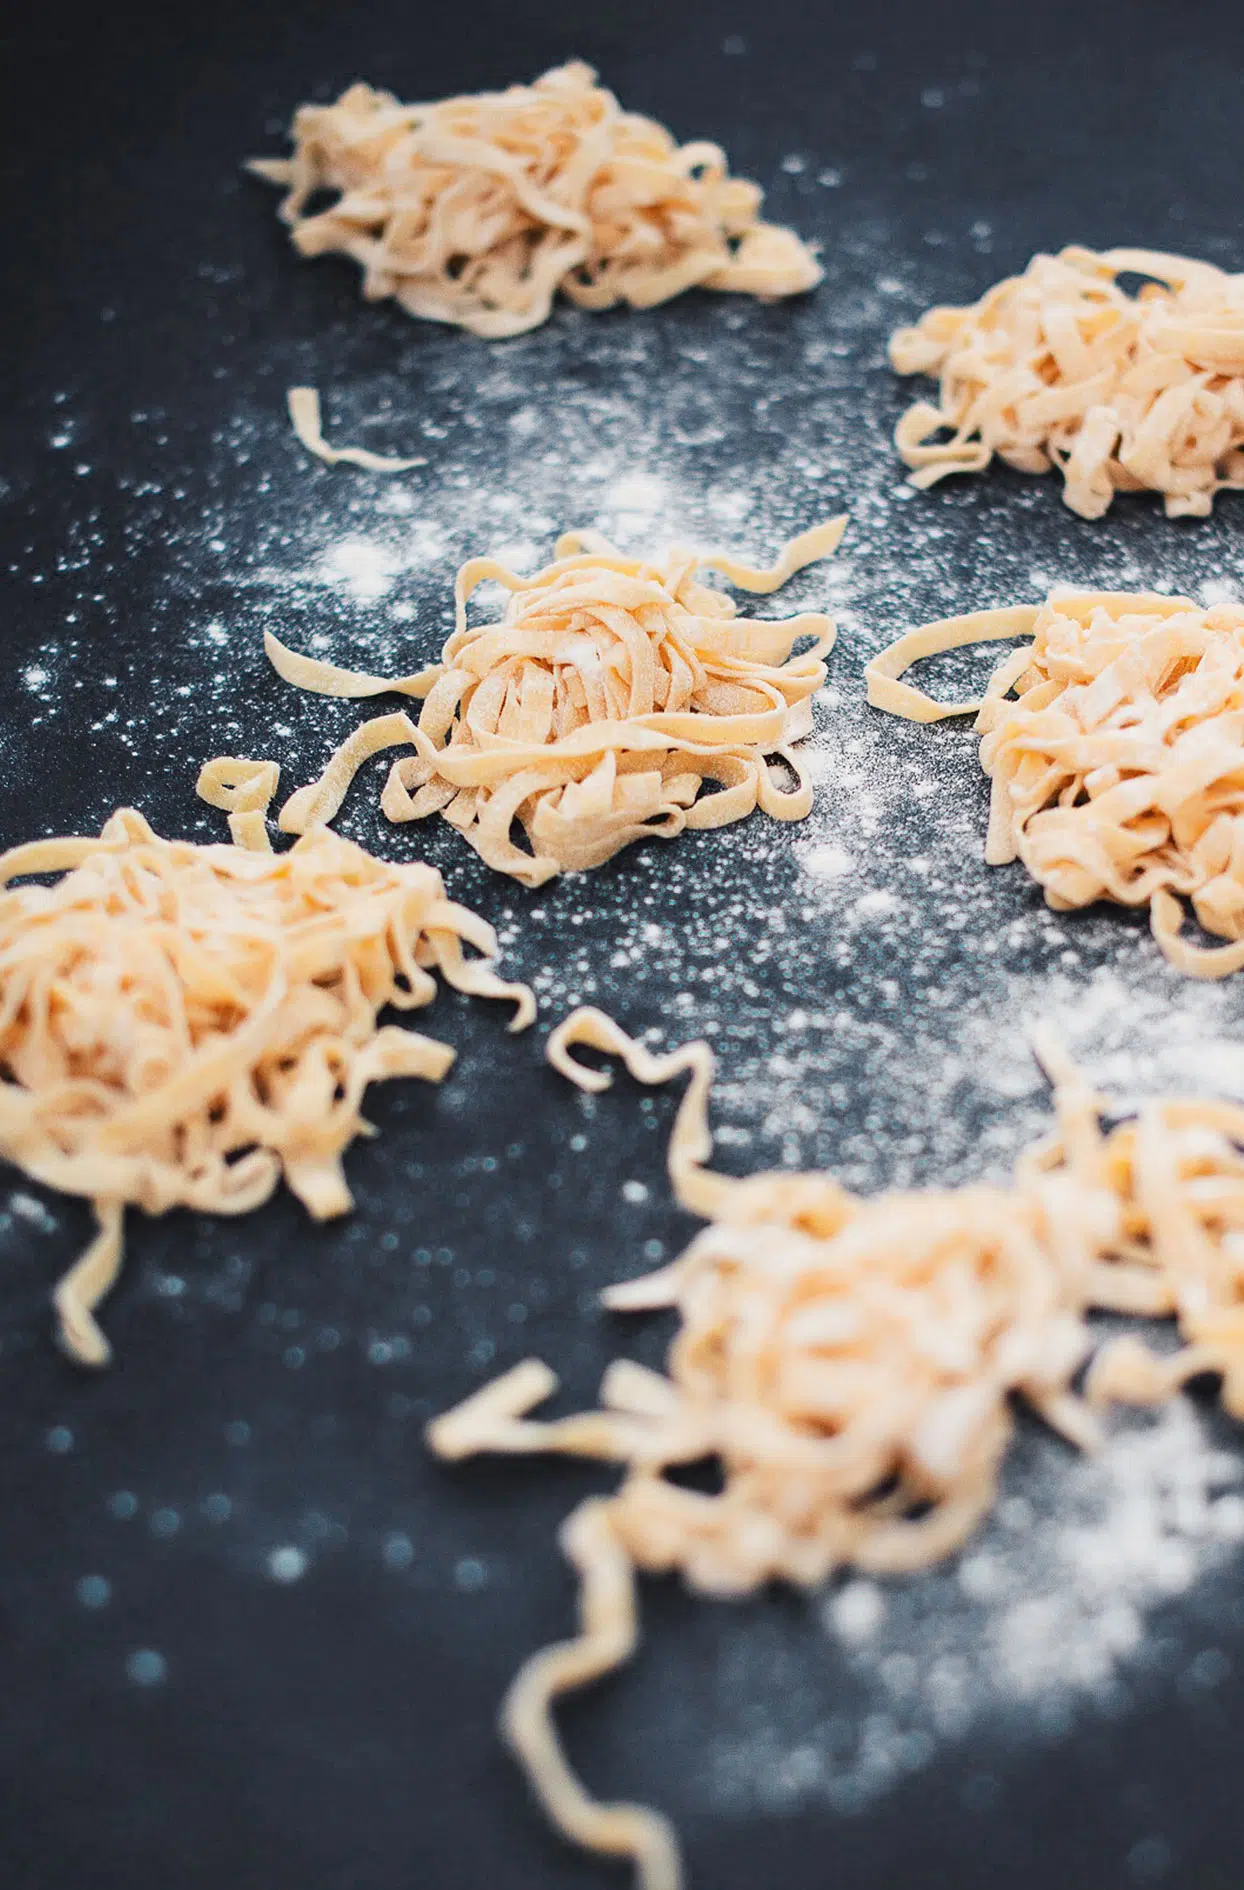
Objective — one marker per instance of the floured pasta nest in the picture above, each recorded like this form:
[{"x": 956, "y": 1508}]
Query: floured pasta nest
[
  {"x": 594, "y": 712},
  {"x": 1062, "y": 367},
  {"x": 182, "y": 1025},
  {"x": 1118, "y": 772},
  {"x": 851, "y": 1365},
  {"x": 476, "y": 210}
]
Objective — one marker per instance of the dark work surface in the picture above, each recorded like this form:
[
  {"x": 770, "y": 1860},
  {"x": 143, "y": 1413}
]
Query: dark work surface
[{"x": 335, "y": 1730}]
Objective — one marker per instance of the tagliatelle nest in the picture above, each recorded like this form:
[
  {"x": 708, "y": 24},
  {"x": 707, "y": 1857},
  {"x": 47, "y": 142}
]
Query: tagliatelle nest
[
  {"x": 1062, "y": 367},
  {"x": 183, "y": 1025},
  {"x": 595, "y": 710},
  {"x": 1118, "y": 773},
  {"x": 476, "y": 210},
  {"x": 850, "y": 1364}
]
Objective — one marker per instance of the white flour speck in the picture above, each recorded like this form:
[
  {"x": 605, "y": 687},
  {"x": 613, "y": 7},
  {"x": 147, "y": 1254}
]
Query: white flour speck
[{"x": 287, "y": 1564}]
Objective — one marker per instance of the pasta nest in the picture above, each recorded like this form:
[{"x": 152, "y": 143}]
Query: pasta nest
[
  {"x": 850, "y": 1366},
  {"x": 593, "y": 712},
  {"x": 1117, "y": 769},
  {"x": 476, "y": 210},
  {"x": 1156, "y": 1202},
  {"x": 183, "y": 1025},
  {"x": 1062, "y": 367},
  {"x": 851, "y": 1362}
]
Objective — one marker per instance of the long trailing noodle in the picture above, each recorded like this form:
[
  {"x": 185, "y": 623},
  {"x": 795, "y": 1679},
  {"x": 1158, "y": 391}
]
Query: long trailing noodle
[
  {"x": 304, "y": 417},
  {"x": 1117, "y": 770},
  {"x": 476, "y": 210},
  {"x": 594, "y": 711},
  {"x": 850, "y": 1364},
  {"x": 183, "y": 1025},
  {"x": 1061, "y": 367}
]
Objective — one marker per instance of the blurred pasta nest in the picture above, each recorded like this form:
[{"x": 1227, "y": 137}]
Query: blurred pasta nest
[{"x": 477, "y": 210}]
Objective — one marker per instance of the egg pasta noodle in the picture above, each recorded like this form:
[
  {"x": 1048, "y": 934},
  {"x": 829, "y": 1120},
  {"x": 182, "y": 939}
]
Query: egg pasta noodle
[
  {"x": 477, "y": 210},
  {"x": 184, "y": 1025},
  {"x": 594, "y": 711},
  {"x": 1117, "y": 766},
  {"x": 851, "y": 1365},
  {"x": 1061, "y": 367},
  {"x": 304, "y": 416}
]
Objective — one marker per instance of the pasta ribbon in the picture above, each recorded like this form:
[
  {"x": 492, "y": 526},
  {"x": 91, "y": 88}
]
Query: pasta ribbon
[
  {"x": 1114, "y": 743},
  {"x": 594, "y": 712},
  {"x": 477, "y": 210},
  {"x": 183, "y": 1026},
  {"x": 1061, "y": 367}
]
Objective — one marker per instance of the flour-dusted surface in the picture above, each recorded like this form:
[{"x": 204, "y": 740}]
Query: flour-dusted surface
[{"x": 278, "y": 1631}]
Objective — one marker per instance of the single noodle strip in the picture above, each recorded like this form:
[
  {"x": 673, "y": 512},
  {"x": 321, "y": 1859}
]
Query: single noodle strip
[
  {"x": 185, "y": 1025},
  {"x": 304, "y": 414},
  {"x": 595, "y": 712},
  {"x": 851, "y": 1364},
  {"x": 243, "y": 790},
  {"x": 1112, "y": 740},
  {"x": 477, "y": 210},
  {"x": 1062, "y": 368}
]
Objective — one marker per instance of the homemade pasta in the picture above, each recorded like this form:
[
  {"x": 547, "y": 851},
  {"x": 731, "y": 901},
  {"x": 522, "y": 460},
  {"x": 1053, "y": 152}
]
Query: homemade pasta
[
  {"x": 183, "y": 1025},
  {"x": 304, "y": 417},
  {"x": 851, "y": 1363},
  {"x": 1118, "y": 772},
  {"x": 594, "y": 712},
  {"x": 477, "y": 210},
  {"x": 1061, "y": 367}
]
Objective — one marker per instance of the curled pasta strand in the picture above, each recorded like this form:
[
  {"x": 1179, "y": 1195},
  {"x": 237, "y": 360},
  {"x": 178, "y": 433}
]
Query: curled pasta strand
[{"x": 304, "y": 415}]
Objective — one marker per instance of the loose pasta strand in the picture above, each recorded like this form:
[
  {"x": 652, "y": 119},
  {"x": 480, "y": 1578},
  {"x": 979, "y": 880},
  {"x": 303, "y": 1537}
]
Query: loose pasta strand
[
  {"x": 609, "y": 1631},
  {"x": 304, "y": 416}
]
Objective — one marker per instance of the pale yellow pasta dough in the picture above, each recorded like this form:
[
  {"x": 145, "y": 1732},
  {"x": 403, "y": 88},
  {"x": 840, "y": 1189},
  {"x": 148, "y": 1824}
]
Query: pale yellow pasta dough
[
  {"x": 852, "y": 1364},
  {"x": 304, "y": 417},
  {"x": 1061, "y": 367},
  {"x": 1117, "y": 768},
  {"x": 183, "y": 1025},
  {"x": 477, "y": 210},
  {"x": 594, "y": 711}
]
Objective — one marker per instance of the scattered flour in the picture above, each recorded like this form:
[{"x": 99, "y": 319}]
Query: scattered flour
[{"x": 1055, "y": 1610}]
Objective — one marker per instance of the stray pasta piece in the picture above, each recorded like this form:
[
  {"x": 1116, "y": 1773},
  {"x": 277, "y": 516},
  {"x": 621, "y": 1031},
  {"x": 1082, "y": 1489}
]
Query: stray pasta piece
[
  {"x": 476, "y": 210},
  {"x": 850, "y": 1364},
  {"x": 1060, "y": 367},
  {"x": 593, "y": 712},
  {"x": 1117, "y": 770},
  {"x": 243, "y": 790},
  {"x": 181, "y": 1025},
  {"x": 304, "y": 415}
]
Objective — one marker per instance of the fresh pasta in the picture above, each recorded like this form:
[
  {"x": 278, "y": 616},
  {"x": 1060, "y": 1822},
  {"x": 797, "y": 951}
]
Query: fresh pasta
[
  {"x": 1062, "y": 367},
  {"x": 304, "y": 416},
  {"x": 594, "y": 712},
  {"x": 1116, "y": 770},
  {"x": 477, "y": 210},
  {"x": 185, "y": 1025},
  {"x": 851, "y": 1365}
]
